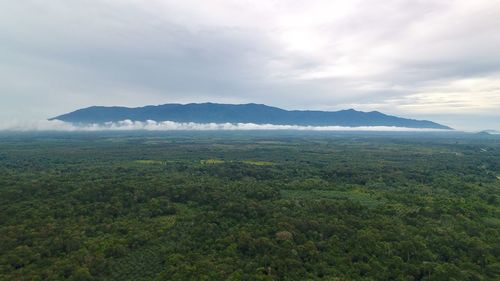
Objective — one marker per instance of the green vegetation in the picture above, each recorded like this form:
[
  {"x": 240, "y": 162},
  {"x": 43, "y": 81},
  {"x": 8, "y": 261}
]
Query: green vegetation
[
  {"x": 361, "y": 197},
  {"x": 258, "y": 163},
  {"x": 93, "y": 207},
  {"x": 211, "y": 161},
  {"x": 151, "y": 162}
]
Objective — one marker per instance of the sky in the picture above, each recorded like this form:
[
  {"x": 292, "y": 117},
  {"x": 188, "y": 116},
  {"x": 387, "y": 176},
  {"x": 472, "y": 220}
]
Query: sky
[{"x": 437, "y": 60}]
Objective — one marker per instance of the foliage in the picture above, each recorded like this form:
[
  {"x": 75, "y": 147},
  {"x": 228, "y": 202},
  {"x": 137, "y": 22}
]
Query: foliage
[{"x": 248, "y": 208}]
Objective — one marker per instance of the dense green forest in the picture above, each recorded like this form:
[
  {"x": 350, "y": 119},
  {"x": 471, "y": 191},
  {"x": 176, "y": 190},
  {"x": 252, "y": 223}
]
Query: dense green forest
[{"x": 242, "y": 207}]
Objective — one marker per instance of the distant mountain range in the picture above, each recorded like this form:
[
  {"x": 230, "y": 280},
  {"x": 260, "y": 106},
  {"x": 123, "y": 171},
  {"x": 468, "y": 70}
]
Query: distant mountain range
[
  {"x": 241, "y": 113},
  {"x": 488, "y": 132}
]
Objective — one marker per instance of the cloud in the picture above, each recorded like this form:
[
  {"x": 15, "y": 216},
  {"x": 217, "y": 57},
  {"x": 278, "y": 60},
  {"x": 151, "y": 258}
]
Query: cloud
[
  {"x": 404, "y": 57},
  {"x": 128, "y": 125}
]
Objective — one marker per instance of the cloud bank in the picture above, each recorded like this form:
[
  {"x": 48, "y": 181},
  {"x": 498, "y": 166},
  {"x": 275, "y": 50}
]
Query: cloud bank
[
  {"x": 150, "y": 125},
  {"x": 403, "y": 57}
]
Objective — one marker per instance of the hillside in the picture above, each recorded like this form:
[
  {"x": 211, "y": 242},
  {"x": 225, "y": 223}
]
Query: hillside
[{"x": 241, "y": 113}]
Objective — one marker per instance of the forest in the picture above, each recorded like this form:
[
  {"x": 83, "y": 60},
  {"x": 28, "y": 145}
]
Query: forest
[{"x": 92, "y": 206}]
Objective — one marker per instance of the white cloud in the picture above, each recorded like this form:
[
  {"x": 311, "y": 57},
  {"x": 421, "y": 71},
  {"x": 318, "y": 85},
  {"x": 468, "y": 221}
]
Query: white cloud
[
  {"x": 401, "y": 56},
  {"x": 461, "y": 96},
  {"x": 128, "y": 125}
]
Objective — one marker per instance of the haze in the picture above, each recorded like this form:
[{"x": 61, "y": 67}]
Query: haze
[{"x": 435, "y": 60}]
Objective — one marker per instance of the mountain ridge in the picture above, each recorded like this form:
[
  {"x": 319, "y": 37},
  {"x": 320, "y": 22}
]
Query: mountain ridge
[{"x": 240, "y": 113}]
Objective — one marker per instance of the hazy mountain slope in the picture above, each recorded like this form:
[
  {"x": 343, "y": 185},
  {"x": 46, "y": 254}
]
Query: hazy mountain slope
[{"x": 241, "y": 113}]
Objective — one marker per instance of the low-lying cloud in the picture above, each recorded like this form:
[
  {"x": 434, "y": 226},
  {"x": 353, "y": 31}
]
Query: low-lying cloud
[{"x": 150, "y": 125}]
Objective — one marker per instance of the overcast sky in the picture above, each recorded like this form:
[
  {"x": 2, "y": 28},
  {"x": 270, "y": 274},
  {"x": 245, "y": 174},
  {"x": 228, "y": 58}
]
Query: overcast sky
[{"x": 437, "y": 60}]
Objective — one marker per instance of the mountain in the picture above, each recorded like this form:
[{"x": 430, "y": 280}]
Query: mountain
[
  {"x": 241, "y": 113},
  {"x": 489, "y": 132}
]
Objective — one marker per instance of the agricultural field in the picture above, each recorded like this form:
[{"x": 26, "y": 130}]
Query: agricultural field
[{"x": 242, "y": 207}]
